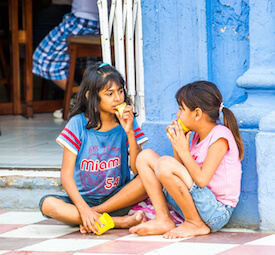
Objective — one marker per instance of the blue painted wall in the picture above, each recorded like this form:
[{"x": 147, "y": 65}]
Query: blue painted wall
[
  {"x": 170, "y": 49},
  {"x": 246, "y": 213},
  {"x": 173, "y": 56},
  {"x": 228, "y": 46},
  {"x": 190, "y": 40}
]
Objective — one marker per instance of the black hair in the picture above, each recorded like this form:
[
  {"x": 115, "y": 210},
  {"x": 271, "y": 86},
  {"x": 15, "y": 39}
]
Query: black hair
[
  {"x": 96, "y": 78},
  {"x": 206, "y": 96}
]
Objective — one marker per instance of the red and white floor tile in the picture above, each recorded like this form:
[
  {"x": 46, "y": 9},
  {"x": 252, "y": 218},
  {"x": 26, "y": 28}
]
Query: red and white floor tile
[{"x": 29, "y": 233}]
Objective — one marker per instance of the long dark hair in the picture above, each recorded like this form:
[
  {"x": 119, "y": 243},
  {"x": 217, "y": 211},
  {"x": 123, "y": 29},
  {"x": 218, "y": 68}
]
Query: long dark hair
[
  {"x": 96, "y": 78},
  {"x": 206, "y": 96}
]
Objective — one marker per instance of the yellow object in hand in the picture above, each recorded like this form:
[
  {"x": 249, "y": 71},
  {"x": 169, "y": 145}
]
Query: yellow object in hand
[
  {"x": 185, "y": 129},
  {"x": 107, "y": 222},
  {"x": 120, "y": 108}
]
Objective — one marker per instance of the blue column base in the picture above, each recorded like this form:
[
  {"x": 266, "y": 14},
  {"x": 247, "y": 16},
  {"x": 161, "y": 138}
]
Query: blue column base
[
  {"x": 265, "y": 146},
  {"x": 257, "y": 105},
  {"x": 249, "y": 116}
]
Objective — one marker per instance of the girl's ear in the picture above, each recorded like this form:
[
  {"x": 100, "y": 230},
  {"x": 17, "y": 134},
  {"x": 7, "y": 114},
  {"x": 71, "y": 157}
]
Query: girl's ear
[
  {"x": 198, "y": 113},
  {"x": 87, "y": 94}
]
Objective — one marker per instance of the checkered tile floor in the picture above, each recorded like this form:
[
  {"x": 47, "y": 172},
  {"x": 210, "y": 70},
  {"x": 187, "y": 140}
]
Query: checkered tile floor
[{"x": 30, "y": 233}]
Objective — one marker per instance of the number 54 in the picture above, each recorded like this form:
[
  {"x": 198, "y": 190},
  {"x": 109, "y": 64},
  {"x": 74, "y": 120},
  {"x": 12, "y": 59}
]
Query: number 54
[{"x": 111, "y": 183}]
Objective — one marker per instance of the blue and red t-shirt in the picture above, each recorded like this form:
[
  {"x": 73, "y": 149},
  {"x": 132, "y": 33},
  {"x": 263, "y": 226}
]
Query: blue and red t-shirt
[{"x": 102, "y": 157}]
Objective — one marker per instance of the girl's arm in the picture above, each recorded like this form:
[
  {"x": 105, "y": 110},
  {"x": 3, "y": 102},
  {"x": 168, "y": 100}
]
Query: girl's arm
[
  {"x": 134, "y": 150},
  {"x": 88, "y": 216},
  {"x": 200, "y": 174},
  {"x": 126, "y": 122},
  {"x": 176, "y": 156},
  {"x": 203, "y": 174}
]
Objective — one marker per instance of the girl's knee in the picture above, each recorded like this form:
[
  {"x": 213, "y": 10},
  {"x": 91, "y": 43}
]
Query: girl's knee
[
  {"x": 144, "y": 157},
  {"x": 163, "y": 167},
  {"x": 49, "y": 206}
]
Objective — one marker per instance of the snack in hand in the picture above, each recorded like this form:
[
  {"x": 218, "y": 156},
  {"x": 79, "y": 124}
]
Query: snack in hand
[
  {"x": 120, "y": 108},
  {"x": 185, "y": 129}
]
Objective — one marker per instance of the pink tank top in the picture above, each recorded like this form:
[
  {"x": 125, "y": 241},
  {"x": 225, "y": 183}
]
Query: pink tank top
[{"x": 226, "y": 182}]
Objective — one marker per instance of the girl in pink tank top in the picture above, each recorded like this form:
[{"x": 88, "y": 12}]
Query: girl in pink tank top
[{"x": 202, "y": 181}]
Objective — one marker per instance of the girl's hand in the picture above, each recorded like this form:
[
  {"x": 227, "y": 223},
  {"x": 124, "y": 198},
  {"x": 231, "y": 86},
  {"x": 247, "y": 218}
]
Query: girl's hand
[
  {"x": 127, "y": 118},
  {"x": 89, "y": 217},
  {"x": 179, "y": 139}
]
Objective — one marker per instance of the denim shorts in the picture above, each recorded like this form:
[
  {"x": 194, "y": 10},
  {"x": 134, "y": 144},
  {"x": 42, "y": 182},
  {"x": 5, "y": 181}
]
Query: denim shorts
[
  {"x": 213, "y": 213},
  {"x": 90, "y": 201}
]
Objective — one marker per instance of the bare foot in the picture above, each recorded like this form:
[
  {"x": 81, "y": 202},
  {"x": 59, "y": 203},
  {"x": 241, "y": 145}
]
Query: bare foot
[
  {"x": 130, "y": 220},
  {"x": 82, "y": 229},
  {"x": 153, "y": 227},
  {"x": 187, "y": 229}
]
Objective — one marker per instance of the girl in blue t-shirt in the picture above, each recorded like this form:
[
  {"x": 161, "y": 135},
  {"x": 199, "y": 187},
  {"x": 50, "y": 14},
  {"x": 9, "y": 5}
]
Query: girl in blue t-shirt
[{"x": 97, "y": 141}]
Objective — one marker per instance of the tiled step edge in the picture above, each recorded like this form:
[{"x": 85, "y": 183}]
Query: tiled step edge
[{"x": 23, "y": 189}]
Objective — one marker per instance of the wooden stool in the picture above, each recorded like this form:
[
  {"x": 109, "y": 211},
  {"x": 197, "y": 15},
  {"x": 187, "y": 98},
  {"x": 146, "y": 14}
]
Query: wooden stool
[{"x": 79, "y": 46}]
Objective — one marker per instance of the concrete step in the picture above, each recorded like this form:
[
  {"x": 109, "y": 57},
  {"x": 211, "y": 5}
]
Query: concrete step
[{"x": 22, "y": 189}]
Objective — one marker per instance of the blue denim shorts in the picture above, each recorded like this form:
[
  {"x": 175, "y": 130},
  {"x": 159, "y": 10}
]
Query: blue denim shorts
[
  {"x": 90, "y": 201},
  {"x": 213, "y": 213}
]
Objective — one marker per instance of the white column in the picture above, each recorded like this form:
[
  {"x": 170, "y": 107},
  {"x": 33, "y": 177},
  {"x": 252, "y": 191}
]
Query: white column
[{"x": 104, "y": 30}]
